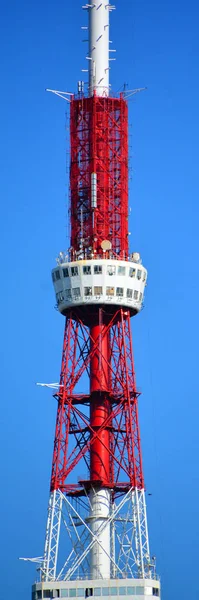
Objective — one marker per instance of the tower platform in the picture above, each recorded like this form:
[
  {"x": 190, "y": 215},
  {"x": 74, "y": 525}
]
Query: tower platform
[
  {"x": 137, "y": 589},
  {"x": 94, "y": 282}
]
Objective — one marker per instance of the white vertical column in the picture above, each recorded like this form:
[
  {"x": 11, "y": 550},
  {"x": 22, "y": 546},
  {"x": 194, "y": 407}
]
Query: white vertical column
[
  {"x": 99, "y": 47},
  {"x": 52, "y": 536},
  {"x": 100, "y": 526}
]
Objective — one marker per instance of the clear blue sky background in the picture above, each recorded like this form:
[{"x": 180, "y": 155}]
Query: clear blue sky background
[{"x": 158, "y": 47}]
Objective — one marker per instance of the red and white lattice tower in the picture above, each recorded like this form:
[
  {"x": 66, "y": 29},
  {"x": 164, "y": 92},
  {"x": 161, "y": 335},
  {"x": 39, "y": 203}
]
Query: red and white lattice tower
[{"x": 97, "y": 540}]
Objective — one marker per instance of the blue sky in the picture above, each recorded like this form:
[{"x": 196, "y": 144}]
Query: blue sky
[{"x": 158, "y": 47}]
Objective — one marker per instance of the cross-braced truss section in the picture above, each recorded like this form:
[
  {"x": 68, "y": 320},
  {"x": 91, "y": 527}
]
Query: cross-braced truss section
[
  {"x": 73, "y": 414},
  {"x": 99, "y": 146},
  {"x": 129, "y": 554},
  {"x": 71, "y": 500},
  {"x": 52, "y": 535}
]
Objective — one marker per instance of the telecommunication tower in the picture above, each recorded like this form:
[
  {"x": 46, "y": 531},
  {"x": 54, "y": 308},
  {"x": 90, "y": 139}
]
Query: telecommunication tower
[{"x": 97, "y": 541}]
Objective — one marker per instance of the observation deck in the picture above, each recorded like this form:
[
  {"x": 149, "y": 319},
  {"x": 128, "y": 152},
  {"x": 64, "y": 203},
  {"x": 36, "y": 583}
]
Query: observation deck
[
  {"x": 140, "y": 589},
  {"x": 97, "y": 281}
]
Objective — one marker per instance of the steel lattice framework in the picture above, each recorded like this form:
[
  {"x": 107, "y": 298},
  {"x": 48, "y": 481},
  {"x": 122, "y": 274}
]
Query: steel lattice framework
[
  {"x": 97, "y": 432},
  {"x": 130, "y": 545},
  {"x": 120, "y": 401},
  {"x": 97, "y": 492},
  {"x": 99, "y": 144}
]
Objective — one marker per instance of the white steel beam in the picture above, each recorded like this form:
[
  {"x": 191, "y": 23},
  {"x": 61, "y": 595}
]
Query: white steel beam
[
  {"x": 52, "y": 536},
  {"x": 102, "y": 542}
]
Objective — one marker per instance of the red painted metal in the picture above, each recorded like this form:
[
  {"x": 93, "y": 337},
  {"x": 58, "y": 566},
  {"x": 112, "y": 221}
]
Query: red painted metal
[
  {"x": 99, "y": 403},
  {"x": 99, "y": 144},
  {"x": 111, "y": 430},
  {"x": 102, "y": 423},
  {"x": 99, "y": 363}
]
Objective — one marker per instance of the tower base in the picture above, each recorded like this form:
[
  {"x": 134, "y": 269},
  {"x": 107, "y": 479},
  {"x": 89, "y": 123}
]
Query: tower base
[{"x": 140, "y": 589}]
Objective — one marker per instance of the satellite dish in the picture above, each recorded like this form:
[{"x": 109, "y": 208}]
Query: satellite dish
[
  {"x": 106, "y": 245},
  {"x": 136, "y": 256}
]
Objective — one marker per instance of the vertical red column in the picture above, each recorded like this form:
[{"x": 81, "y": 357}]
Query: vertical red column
[{"x": 99, "y": 405}]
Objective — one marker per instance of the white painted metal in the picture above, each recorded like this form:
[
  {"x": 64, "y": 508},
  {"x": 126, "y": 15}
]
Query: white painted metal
[
  {"x": 98, "y": 58},
  {"x": 61, "y": 94},
  {"x": 69, "y": 568},
  {"x": 100, "y": 526},
  {"x": 143, "y": 532},
  {"x": 112, "y": 542},
  {"x": 92, "y": 552},
  {"x": 117, "y": 282},
  {"x": 52, "y": 536},
  {"x": 138, "y": 588},
  {"x": 37, "y": 559},
  {"x": 133, "y": 540},
  {"x": 93, "y": 190},
  {"x": 51, "y": 386}
]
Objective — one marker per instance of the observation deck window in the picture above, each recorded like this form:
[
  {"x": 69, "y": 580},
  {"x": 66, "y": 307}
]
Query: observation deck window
[
  {"x": 132, "y": 272},
  {"x": 87, "y": 270},
  {"x": 89, "y": 592},
  {"x": 59, "y": 297},
  {"x": 139, "y": 274},
  {"x": 74, "y": 271},
  {"x": 135, "y": 294},
  {"x": 97, "y": 290},
  {"x": 111, "y": 270},
  {"x": 57, "y": 275},
  {"x": 124, "y": 591},
  {"x": 46, "y": 594},
  {"x": 144, "y": 276},
  {"x": 53, "y": 276},
  {"x": 156, "y": 592},
  {"x": 88, "y": 291},
  {"x": 80, "y": 592},
  {"x": 68, "y": 294},
  {"x": 110, "y": 291},
  {"x": 72, "y": 593},
  {"x": 97, "y": 269},
  {"x": 121, "y": 270},
  {"x": 140, "y": 297},
  {"x": 64, "y": 593},
  {"x": 129, "y": 293},
  {"x": 76, "y": 292},
  {"x": 66, "y": 272},
  {"x": 119, "y": 292}
]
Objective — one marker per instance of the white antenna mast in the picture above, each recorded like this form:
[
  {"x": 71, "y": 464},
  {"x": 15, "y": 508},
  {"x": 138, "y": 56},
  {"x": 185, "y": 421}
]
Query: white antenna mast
[{"x": 98, "y": 46}]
